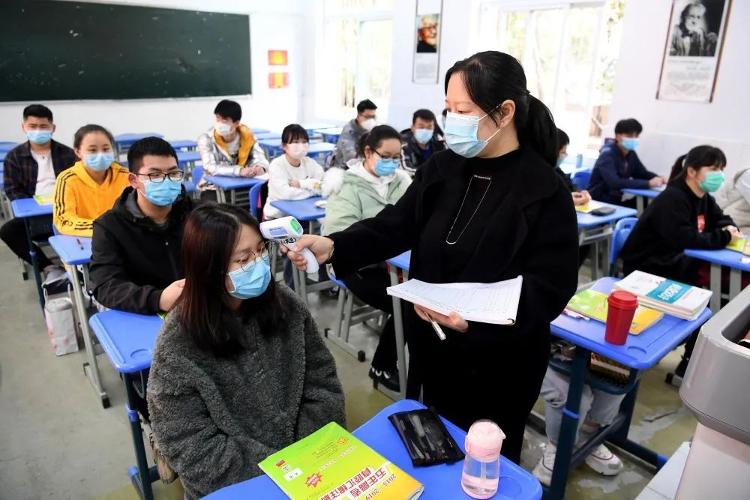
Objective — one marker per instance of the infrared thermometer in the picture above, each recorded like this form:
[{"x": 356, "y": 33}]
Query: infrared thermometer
[{"x": 286, "y": 231}]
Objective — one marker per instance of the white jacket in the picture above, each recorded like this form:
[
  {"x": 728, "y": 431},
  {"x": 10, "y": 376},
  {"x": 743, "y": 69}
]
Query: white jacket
[
  {"x": 281, "y": 173},
  {"x": 734, "y": 199}
]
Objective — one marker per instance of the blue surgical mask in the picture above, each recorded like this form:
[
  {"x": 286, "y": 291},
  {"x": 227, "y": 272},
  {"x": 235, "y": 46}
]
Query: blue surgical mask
[
  {"x": 423, "y": 135},
  {"x": 385, "y": 167},
  {"x": 99, "y": 161},
  {"x": 461, "y": 134},
  {"x": 630, "y": 143},
  {"x": 251, "y": 280},
  {"x": 39, "y": 136},
  {"x": 162, "y": 193}
]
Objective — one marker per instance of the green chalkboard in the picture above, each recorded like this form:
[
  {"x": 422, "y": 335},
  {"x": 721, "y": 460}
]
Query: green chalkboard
[{"x": 53, "y": 50}]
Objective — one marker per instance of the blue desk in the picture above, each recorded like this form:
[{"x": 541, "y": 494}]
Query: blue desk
[
  {"x": 640, "y": 352},
  {"x": 302, "y": 210},
  {"x": 331, "y": 134},
  {"x": 597, "y": 230},
  {"x": 33, "y": 213},
  {"x": 257, "y": 131},
  {"x": 272, "y": 147},
  {"x": 225, "y": 183},
  {"x": 7, "y": 146},
  {"x": 642, "y": 195},
  {"x": 311, "y": 127},
  {"x": 260, "y": 136},
  {"x": 319, "y": 151},
  {"x": 128, "y": 340},
  {"x": 124, "y": 141},
  {"x": 719, "y": 259},
  {"x": 187, "y": 159},
  {"x": 76, "y": 251},
  {"x": 184, "y": 144},
  {"x": 396, "y": 264},
  {"x": 440, "y": 481},
  {"x": 3, "y": 154}
]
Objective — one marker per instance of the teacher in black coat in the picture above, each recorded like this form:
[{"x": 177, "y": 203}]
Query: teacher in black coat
[{"x": 488, "y": 209}]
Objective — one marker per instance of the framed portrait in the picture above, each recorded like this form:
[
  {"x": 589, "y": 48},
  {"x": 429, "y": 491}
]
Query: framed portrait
[{"x": 427, "y": 41}]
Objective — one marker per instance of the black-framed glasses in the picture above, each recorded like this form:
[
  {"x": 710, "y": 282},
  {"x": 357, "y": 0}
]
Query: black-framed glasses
[{"x": 176, "y": 176}]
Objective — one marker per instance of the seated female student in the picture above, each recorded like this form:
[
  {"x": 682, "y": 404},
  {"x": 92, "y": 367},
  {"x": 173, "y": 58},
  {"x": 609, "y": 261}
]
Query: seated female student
[
  {"x": 294, "y": 175},
  {"x": 683, "y": 216},
  {"x": 734, "y": 199},
  {"x": 372, "y": 181},
  {"x": 91, "y": 186},
  {"x": 239, "y": 369}
]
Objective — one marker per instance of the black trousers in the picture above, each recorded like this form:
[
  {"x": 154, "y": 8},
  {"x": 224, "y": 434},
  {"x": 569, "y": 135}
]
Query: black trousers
[
  {"x": 13, "y": 233},
  {"x": 369, "y": 285}
]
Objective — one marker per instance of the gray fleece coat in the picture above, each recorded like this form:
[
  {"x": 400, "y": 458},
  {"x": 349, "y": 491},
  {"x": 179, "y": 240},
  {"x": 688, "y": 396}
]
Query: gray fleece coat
[{"x": 215, "y": 418}]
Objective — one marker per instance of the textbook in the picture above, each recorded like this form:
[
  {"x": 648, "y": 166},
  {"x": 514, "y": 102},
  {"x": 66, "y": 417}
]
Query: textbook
[
  {"x": 332, "y": 463},
  {"x": 671, "y": 297},
  {"x": 44, "y": 199},
  {"x": 594, "y": 305},
  {"x": 589, "y": 207},
  {"x": 740, "y": 245}
]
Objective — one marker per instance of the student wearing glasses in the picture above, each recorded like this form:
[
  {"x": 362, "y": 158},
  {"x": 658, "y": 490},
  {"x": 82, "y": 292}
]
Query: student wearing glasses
[{"x": 373, "y": 181}]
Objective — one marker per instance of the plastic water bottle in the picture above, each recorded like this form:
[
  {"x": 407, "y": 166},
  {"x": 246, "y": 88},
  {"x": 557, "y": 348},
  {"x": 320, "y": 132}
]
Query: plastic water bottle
[{"x": 481, "y": 473}]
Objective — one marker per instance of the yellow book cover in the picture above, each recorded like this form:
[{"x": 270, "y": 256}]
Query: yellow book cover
[
  {"x": 588, "y": 207},
  {"x": 593, "y": 304},
  {"x": 740, "y": 245},
  {"x": 332, "y": 464},
  {"x": 44, "y": 199}
]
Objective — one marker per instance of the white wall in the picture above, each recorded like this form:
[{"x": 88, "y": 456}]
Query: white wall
[
  {"x": 274, "y": 24},
  {"x": 672, "y": 128}
]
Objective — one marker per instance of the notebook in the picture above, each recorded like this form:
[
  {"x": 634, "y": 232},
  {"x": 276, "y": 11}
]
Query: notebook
[
  {"x": 740, "y": 245},
  {"x": 44, "y": 199},
  {"x": 495, "y": 303},
  {"x": 594, "y": 305},
  {"x": 671, "y": 297},
  {"x": 589, "y": 207}
]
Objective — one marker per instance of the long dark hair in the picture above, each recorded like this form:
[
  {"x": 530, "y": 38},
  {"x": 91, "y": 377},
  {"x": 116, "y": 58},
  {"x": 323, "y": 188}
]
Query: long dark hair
[
  {"x": 210, "y": 235},
  {"x": 699, "y": 156},
  {"x": 492, "y": 77},
  {"x": 375, "y": 137},
  {"x": 89, "y": 129}
]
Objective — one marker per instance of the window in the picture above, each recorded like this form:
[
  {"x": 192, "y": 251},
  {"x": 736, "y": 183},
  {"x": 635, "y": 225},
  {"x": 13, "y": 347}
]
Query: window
[
  {"x": 357, "y": 56},
  {"x": 568, "y": 52}
]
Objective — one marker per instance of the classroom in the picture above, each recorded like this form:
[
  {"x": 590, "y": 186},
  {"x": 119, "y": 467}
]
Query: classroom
[{"x": 349, "y": 249}]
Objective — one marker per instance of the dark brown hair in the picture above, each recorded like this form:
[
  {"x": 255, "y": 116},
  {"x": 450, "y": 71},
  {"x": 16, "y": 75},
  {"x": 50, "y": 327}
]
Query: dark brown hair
[
  {"x": 90, "y": 129},
  {"x": 697, "y": 158},
  {"x": 211, "y": 232}
]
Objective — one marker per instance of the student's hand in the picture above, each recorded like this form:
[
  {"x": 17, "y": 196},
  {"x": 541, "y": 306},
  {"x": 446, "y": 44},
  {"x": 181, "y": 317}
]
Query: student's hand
[
  {"x": 453, "y": 321},
  {"x": 656, "y": 182},
  {"x": 170, "y": 295},
  {"x": 734, "y": 232},
  {"x": 586, "y": 194},
  {"x": 258, "y": 169},
  {"x": 247, "y": 172},
  {"x": 320, "y": 246},
  {"x": 294, "y": 183},
  {"x": 579, "y": 199}
]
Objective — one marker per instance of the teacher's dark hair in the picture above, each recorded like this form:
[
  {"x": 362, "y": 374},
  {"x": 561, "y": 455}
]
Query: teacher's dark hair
[
  {"x": 375, "y": 137},
  {"x": 493, "y": 77},
  {"x": 211, "y": 233},
  {"x": 697, "y": 158}
]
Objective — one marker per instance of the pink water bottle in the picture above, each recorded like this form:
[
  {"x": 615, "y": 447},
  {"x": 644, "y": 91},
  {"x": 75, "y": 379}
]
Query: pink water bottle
[{"x": 481, "y": 473}]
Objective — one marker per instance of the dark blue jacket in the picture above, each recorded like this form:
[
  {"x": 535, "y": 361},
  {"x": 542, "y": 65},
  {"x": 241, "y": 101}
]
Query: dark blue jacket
[{"x": 613, "y": 172}]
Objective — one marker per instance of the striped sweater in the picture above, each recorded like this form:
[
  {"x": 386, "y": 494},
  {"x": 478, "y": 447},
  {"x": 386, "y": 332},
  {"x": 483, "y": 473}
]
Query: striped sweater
[{"x": 79, "y": 199}]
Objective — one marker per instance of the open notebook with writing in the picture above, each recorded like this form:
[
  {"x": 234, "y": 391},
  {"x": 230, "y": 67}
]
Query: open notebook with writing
[{"x": 495, "y": 303}]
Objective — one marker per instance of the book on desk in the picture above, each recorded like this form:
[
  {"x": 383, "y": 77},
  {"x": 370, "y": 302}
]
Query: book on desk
[
  {"x": 593, "y": 304},
  {"x": 665, "y": 295}
]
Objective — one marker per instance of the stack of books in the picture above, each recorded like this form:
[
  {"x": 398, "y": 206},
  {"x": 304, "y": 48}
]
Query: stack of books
[{"x": 668, "y": 296}]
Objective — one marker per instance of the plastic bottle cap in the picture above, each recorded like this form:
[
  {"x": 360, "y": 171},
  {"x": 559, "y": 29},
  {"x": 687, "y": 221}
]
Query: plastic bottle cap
[
  {"x": 623, "y": 299},
  {"x": 484, "y": 440}
]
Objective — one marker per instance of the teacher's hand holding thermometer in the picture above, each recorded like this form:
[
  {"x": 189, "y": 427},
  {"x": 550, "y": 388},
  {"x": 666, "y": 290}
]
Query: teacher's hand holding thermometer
[
  {"x": 319, "y": 250},
  {"x": 287, "y": 231}
]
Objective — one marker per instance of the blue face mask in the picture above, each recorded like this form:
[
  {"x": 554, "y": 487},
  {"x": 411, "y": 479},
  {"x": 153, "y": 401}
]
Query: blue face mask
[
  {"x": 99, "y": 161},
  {"x": 423, "y": 135},
  {"x": 39, "y": 136},
  {"x": 461, "y": 134},
  {"x": 251, "y": 280},
  {"x": 630, "y": 143},
  {"x": 384, "y": 168},
  {"x": 162, "y": 193}
]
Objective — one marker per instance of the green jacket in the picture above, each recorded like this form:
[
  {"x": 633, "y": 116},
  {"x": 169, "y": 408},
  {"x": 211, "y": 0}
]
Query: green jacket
[{"x": 357, "y": 198}]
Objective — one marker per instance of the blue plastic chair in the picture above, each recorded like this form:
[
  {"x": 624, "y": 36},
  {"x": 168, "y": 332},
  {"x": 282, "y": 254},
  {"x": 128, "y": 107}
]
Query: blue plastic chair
[
  {"x": 254, "y": 197},
  {"x": 623, "y": 228},
  {"x": 581, "y": 179}
]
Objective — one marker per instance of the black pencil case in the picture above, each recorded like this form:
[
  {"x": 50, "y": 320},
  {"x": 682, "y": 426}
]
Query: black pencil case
[
  {"x": 425, "y": 437},
  {"x": 603, "y": 211}
]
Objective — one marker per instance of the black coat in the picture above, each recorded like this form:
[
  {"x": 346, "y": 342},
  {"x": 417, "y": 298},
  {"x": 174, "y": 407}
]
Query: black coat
[
  {"x": 533, "y": 233},
  {"x": 668, "y": 227},
  {"x": 133, "y": 259}
]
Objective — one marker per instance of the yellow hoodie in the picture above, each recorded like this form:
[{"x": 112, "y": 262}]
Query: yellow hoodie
[{"x": 79, "y": 199}]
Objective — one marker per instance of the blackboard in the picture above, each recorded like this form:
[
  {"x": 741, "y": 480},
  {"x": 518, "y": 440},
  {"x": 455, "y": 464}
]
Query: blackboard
[{"x": 53, "y": 50}]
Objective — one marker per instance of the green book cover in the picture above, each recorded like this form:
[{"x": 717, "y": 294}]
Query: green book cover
[
  {"x": 593, "y": 304},
  {"x": 332, "y": 464}
]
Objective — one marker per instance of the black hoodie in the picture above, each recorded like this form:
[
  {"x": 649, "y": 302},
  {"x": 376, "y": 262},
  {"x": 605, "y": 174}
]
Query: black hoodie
[
  {"x": 674, "y": 221},
  {"x": 133, "y": 258}
]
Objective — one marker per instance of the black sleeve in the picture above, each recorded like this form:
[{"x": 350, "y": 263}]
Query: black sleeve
[
  {"x": 640, "y": 171},
  {"x": 112, "y": 286},
  {"x": 13, "y": 179},
  {"x": 671, "y": 218},
  {"x": 717, "y": 215}
]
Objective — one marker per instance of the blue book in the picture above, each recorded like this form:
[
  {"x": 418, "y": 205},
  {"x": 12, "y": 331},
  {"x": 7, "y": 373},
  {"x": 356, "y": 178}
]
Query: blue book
[{"x": 665, "y": 295}]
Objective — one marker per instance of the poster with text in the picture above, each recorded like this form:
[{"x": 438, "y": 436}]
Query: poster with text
[
  {"x": 693, "y": 50},
  {"x": 427, "y": 41}
]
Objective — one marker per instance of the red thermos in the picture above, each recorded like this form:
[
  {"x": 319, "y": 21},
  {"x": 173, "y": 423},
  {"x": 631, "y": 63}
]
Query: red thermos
[{"x": 621, "y": 307}]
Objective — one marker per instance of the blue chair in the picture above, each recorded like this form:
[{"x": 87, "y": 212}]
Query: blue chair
[
  {"x": 345, "y": 318},
  {"x": 581, "y": 178},
  {"x": 623, "y": 228},
  {"x": 254, "y": 198},
  {"x": 196, "y": 174}
]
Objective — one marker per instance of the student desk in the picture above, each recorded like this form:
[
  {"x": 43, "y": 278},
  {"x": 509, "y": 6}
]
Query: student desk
[
  {"x": 396, "y": 264},
  {"x": 272, "y": 146},
  {"x": 76, "y": 251},
  {"x": 257, "y": 131},
  {"x": 312, "y": 127},
  {"x": 643, "y": 194},
  {"x": 187, "y": 159},
  {"x": 231, "y": 184},
  {"x": 319, "y": 151},
  {"x": 6, "y": 146},
  {"x": 331, "y": 134},
  {"x": 184, "y": 144},
  {"x": 33, "y": 215},
  {"x": 304, "y": 211},
  {"x": 261, "y": 136},
  {"x": 440, "y": 481},
  {"x": 640, "y": 352},
  {"x": 597, "y": 230},
  {"x": 718, "y": 259},
  {"x": 128, "y": 340},
  {"x": 124, "y": 141}
]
